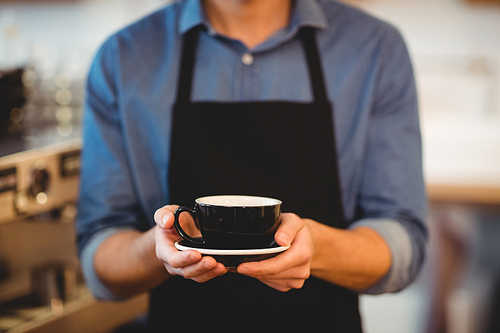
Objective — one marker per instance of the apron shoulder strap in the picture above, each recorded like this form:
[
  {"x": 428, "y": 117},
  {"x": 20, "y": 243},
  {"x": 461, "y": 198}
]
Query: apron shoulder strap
[
  {"x": 308, "y": 38},
  {"x": 186, "y": 71}
]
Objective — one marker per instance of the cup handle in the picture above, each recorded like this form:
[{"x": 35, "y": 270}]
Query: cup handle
[{"x": 179, "y": 229}]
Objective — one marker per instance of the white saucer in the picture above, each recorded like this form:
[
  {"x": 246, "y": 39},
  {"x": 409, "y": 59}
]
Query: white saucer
[
  {"x": 181, "y": 246},
  {"x": 232, "y": 258}
]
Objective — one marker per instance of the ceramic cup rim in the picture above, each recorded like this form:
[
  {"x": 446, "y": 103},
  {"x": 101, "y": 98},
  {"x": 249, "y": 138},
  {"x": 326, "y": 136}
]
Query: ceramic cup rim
[{"x": 237, "y": 201}]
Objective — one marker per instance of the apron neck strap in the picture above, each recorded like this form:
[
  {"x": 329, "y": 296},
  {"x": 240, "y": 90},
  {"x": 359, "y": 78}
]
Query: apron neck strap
[
  {"x": 188, "y": 56},
  {"x": 308, "y": 39},
  {"x": 186, "y": 72}
]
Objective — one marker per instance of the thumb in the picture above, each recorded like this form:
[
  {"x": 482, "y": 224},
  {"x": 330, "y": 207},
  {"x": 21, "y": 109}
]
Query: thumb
[
  {"x": 290, "y": 225},
  {"x": 164, "y": 217}
]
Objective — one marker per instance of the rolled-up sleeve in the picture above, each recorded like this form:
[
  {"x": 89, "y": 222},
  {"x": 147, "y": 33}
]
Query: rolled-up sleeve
[
  {"x": 107, "y": 201},
  {"x": 392, "y": 197},
  {"x": 96, "y": 286},
  {"x": 405, "y": 261}
]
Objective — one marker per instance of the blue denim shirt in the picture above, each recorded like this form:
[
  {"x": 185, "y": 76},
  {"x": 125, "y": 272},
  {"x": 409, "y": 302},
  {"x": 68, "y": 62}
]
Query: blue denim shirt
[{"x": 128, "y": 117}]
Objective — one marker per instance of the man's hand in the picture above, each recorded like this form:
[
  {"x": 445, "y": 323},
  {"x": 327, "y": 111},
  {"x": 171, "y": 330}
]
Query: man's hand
[
  {"x": 355, "y": 259},
  {"x": 189, "y": 264},
  {"x": 290, "y": 269}
]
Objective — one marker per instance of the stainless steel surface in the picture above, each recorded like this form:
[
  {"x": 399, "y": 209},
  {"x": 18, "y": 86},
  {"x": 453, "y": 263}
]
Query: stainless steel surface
[
  {"x": 38, "y": 256},
  {"x": 38, "y": 180},
  {"x": 38, "y": 194},
  {"x": 33, "y": 242}
]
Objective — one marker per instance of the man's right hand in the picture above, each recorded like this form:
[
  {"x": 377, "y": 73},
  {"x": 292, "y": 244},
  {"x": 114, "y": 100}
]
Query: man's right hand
[{"x": 189, "y": 264}]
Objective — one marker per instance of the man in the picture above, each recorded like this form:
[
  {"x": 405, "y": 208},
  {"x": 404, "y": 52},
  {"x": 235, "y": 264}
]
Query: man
[{"x": 311, "y": 102}]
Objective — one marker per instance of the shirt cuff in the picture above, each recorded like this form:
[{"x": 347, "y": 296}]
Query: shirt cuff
[
  {"x": 402, "y": 253},
  {"x": 98, "y": 289}
]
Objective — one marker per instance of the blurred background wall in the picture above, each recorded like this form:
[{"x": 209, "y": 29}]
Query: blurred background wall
[{"x": 455, "y": 46}]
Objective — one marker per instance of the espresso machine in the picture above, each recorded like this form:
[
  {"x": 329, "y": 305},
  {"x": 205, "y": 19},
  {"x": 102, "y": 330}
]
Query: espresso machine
[
  {"x": 41, "y": 285},
  {"x": 39, "y": 271}
]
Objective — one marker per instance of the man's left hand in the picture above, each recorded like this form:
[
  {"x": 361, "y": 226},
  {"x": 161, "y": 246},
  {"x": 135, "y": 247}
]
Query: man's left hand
[{"x": 290, "y": 269}]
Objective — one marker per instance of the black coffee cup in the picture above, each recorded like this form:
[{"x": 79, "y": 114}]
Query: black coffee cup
[{"x": 233, "y": 221}]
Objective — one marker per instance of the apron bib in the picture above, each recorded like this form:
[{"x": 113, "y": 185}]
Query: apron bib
[{"x": 279, "y": 149}]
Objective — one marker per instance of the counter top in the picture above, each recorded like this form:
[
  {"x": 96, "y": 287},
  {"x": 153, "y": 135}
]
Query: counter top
[
  {"x": 82, "y": 314},
  {"x": 482, "y": 195}
]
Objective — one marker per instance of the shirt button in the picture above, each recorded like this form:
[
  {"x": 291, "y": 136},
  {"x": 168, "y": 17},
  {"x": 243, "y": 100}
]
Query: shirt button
[{"x": 247, "y": 59}]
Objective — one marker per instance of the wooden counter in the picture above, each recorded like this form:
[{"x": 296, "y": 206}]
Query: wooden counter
[{"x": 470, "y": 194}]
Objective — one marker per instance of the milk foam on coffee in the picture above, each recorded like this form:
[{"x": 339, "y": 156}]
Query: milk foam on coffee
[{"x": 237, "y": 201}]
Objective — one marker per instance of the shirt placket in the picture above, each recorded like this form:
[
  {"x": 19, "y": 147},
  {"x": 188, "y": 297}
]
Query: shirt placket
[{"x": 248, "y": 67}]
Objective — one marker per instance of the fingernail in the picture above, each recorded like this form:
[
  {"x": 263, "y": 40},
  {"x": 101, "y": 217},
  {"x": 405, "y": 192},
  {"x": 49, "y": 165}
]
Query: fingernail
[
  {"x": 284, "y": 239},
  {"x": 243, "y": 270},
  {"x": 164, "y": 219}
]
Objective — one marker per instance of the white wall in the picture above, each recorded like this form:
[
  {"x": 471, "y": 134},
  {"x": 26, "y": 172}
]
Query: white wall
[
  {"x": 57, "y": 30},
  {"x": 455, "y": 47}
]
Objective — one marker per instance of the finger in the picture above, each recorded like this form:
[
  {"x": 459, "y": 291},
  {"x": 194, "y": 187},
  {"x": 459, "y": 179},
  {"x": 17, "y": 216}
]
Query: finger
[
  {"x": 166, "y": 238},
  {"x": 204, "y": 270},
  {"x": 285, "y": 285},
  {"x": 168, "y": 253},
  {"x": 276, "y": 268},
  {"x": 164, "y": 216},
  {"x": 267, "y": 267},
  {"x": 277, "y": 286},
  {"x": 301, "y": 272},
  {"x": 289, "y": 227},
  {"x": 295, "y": 256},
  {"x": 176, "y": 258},
  {"x": 217, "y": 271}
]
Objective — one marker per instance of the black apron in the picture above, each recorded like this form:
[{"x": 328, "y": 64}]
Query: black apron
[{"x": 276, "y": 149}]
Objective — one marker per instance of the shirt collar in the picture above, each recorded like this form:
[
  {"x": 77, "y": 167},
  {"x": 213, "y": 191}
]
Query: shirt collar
[
  {"x": 306, "y": 13},
  {"x": 191, "y": 15}
]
